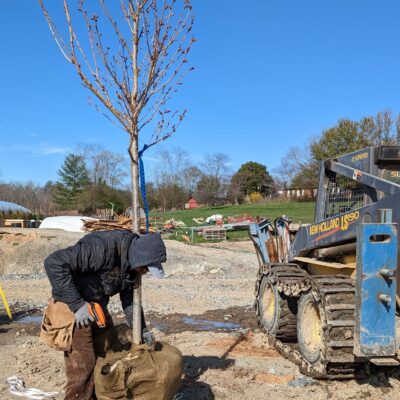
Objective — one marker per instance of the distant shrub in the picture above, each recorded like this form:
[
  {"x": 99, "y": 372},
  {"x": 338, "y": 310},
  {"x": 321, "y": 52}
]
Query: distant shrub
[{"x": 255, "y": 197}]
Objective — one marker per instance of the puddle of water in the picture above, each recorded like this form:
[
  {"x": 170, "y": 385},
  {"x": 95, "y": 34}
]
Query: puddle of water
[
  {"x": 30, "y": 319},
  {"x": 206, "y": 325}
]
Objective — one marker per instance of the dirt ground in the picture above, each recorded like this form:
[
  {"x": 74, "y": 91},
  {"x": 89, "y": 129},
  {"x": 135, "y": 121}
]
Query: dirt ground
[{"x": 204, "y": 307}]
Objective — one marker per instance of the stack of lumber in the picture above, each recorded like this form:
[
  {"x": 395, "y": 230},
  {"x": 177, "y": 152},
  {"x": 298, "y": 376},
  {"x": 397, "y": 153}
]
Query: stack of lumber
[{"x": 108, "y": 225}]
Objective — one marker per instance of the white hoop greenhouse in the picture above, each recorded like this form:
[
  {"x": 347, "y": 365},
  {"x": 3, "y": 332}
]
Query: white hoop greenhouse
[{"x": 6, "y": 206}]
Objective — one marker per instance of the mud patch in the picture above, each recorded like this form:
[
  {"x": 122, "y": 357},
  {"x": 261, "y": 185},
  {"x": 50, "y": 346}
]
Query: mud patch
[
  {"x": 244, "y": 345},
  {"x": 223, "y": 320},
  {"x": 23, "y": 324}
]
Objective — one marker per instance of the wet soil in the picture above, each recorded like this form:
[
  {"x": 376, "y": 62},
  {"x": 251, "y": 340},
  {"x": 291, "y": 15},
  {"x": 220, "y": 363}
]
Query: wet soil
[
  {"x": 222, "y": 320},
  {"x": 24, "y": 323}
]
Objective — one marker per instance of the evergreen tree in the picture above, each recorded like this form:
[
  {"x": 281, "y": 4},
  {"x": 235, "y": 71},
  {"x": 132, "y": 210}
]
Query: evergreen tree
[{"x": 73, "y": 179}]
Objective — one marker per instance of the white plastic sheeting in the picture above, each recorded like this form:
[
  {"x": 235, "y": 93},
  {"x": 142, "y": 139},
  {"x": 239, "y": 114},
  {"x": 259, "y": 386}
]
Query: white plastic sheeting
[
  {"x": 214, "y": 218},
  {"x": 67, "y": 223}
]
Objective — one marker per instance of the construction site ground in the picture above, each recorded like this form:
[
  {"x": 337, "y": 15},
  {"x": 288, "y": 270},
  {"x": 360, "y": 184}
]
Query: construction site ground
[{"x": 204, "y": 307}]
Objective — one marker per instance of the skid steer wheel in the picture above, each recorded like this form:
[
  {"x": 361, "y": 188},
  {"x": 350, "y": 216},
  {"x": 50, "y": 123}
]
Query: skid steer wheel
[
  {"x": 276, "y": 312},
  {"x": 309, "y": 328}
]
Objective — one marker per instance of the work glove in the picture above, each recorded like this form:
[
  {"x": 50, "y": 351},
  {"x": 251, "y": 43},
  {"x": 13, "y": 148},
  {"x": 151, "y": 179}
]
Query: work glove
[
  {"x": 83, "y": 316},
  {"x": 147, "y": 337}
]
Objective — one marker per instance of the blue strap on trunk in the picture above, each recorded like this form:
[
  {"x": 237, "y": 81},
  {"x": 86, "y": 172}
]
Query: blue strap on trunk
[{"x": 143, "y": 185}]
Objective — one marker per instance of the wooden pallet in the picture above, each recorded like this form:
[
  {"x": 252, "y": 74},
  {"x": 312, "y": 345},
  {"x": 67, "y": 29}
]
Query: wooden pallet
[{"x": 214, "y": 233}]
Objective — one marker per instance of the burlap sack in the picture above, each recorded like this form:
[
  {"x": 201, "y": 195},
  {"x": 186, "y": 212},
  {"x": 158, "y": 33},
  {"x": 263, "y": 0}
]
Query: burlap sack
[{"x": 141, "y": 373}]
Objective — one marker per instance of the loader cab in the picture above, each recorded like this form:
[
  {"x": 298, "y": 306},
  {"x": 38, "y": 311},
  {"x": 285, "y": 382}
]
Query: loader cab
[
  {"x": 338, "y": 194},
  {"x": 387, "y": 158}
]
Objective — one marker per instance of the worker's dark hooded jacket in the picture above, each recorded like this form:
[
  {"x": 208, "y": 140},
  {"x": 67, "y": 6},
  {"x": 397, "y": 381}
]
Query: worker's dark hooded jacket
[{"x": 101, "y": 265}]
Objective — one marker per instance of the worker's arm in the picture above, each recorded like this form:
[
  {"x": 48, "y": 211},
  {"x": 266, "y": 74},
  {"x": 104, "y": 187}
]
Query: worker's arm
[{"x": 58, "y": 270}]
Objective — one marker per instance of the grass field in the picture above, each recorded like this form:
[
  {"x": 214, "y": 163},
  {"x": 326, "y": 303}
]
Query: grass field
[{"x": 300, "y": 212}]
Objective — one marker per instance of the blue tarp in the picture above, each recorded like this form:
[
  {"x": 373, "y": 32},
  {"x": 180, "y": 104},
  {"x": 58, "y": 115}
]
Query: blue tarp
[{"x": 7, "y": 206}]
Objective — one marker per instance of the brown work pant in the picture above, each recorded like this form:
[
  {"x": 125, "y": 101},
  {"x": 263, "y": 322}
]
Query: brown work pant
[{"x": 79, "y": 365}]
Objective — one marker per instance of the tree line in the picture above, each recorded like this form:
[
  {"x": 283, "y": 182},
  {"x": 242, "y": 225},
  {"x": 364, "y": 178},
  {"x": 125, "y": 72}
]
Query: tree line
[
  {"x": 210, "y": 181},
  {"x": 299, "y": 167},
  {"x": 95, "y": 178}
]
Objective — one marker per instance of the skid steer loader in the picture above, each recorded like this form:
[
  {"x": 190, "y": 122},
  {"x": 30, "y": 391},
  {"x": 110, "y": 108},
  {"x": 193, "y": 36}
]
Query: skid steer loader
[{"x": 327, "y": 294}]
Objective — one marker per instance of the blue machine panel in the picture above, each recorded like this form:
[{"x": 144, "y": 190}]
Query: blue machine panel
[
  {"x": 375, "y": 315},
  {"x": 259, "y": 234}
]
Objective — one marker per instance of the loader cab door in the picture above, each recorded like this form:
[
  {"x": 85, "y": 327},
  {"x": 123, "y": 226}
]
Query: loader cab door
[{"x": 387, "y": 160}]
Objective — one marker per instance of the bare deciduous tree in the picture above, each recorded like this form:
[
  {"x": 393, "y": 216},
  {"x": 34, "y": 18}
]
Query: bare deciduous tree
[
  {"x": 383, "y": 123},
  {"x": 103, "y": 165},
  {"x": 132, "y": 59},
  {"x": 213, "y": 186},
  {"x": 216, "y": 165},
  {"x": 292, "y": 163},
  {"x": 169, "y": 178},
  {"x": 398, "y": 129}
]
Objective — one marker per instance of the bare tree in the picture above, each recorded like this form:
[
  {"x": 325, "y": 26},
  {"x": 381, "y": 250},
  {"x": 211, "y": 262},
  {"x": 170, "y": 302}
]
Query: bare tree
[
  {"x": 213, "y": 186},
  {"x": 383, "y": 122},
  {"x": 171, "y": 166},
  {"x": 170, "y": 178},
  {"x": 133, "y": 58},
  {"x": 103, "y": 165},
  {"x": 292, "y": 163},
  {"x": 237, "y": 185},
  {"x": 398, "y": 129},
  {"x": 191, "y": 178},
  {"x": 216, "y": 165}
]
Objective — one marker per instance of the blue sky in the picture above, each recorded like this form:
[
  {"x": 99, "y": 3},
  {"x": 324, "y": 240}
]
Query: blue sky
[{"x": 269, "y": 74}]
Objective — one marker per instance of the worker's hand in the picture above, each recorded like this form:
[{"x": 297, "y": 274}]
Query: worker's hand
[
  {"x": 147, "y": 337},
  {"x": 83, "y": 316}
]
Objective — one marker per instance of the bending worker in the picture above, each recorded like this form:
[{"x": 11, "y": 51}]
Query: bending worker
[{"x": 98, "y": 266}]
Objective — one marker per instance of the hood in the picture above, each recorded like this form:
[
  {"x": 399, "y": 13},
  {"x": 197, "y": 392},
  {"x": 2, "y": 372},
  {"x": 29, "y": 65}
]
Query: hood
[{"x": 147, "y": 250}]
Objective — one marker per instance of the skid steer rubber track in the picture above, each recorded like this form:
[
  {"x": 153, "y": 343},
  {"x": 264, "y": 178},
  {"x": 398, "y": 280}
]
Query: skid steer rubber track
[{"x": 335, "y": 296}]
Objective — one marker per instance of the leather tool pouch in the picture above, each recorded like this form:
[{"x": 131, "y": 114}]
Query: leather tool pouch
[{"x": 57, "y": 326}]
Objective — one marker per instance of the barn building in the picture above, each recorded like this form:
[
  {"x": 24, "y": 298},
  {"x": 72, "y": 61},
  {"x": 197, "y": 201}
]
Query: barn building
[{"x": 191, "y": 204}]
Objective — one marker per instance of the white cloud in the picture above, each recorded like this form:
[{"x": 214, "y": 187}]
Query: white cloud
[
  {"x": 46, "y": 149},
  {"x": 41, "y": 149}
]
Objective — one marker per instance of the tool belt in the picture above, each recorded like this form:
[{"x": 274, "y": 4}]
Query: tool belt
[{"x": 57, "y": 326}]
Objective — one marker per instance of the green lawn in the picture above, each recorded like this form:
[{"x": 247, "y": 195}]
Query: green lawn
[{"x": 300, "y": 212}]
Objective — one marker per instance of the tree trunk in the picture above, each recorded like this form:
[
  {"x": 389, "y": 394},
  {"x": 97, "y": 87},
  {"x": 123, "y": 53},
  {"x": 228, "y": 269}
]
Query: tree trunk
[{"x": 137, "y": 291}]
